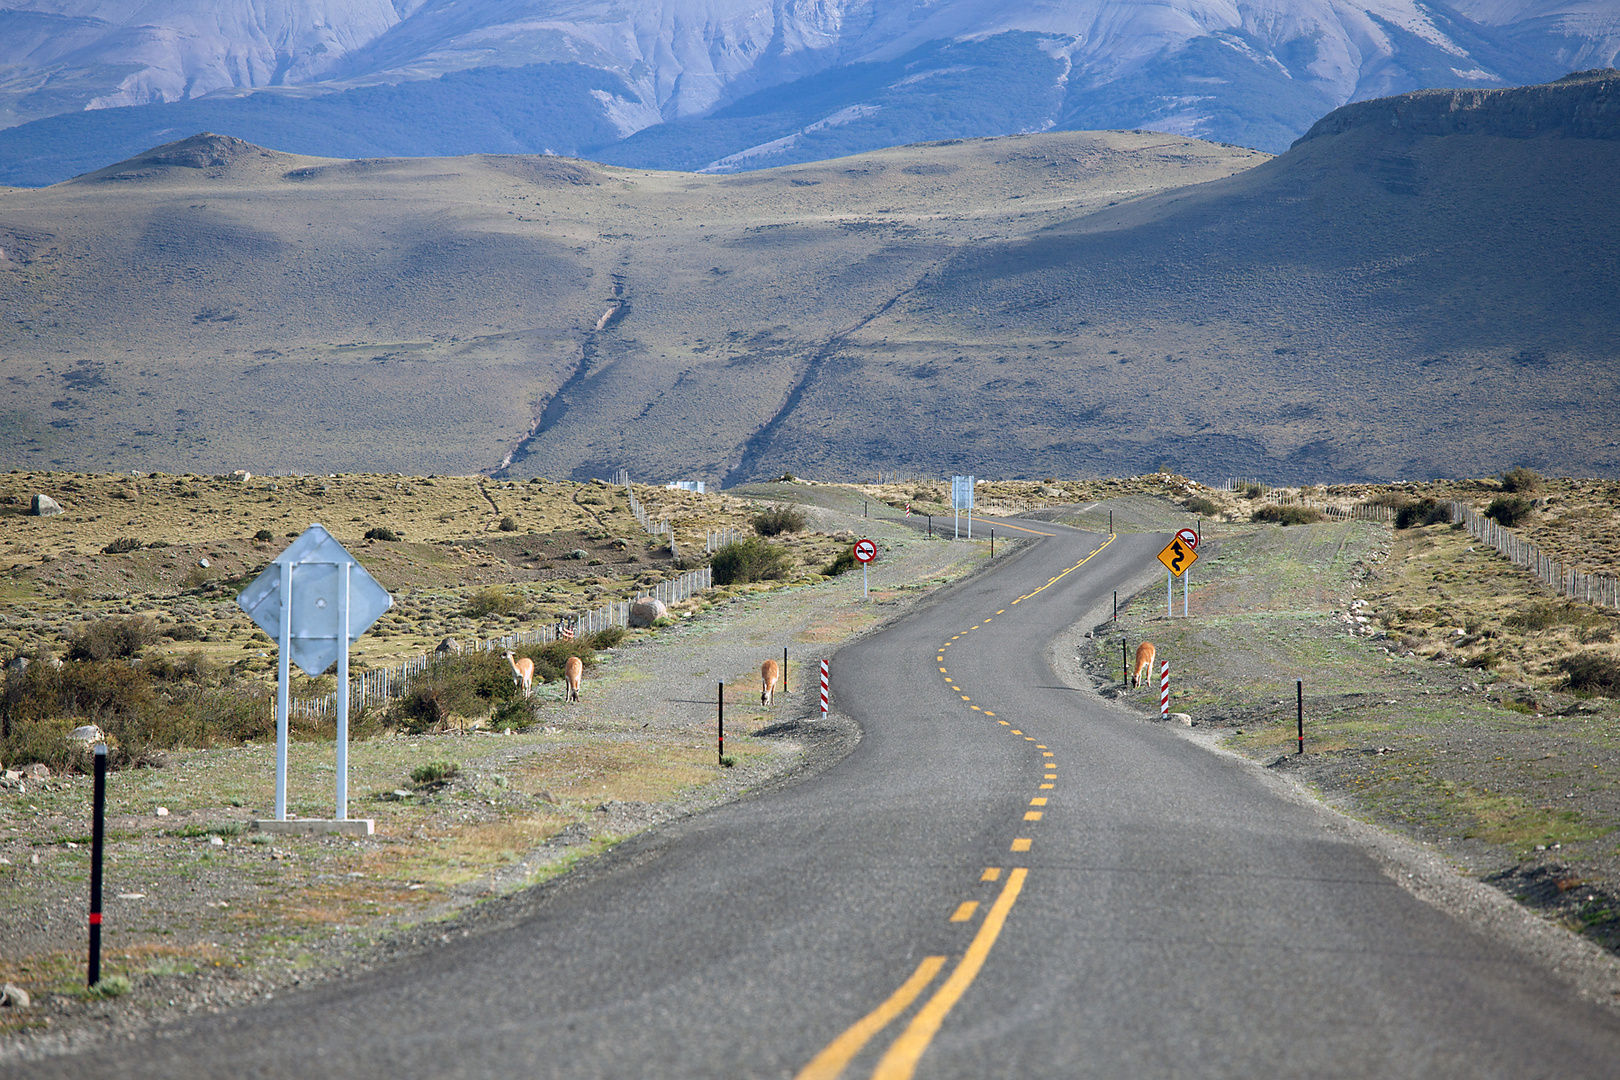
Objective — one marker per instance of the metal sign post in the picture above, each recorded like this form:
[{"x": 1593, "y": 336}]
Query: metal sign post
[
  {"x": 962, "y": 499},
  {"x": 315, "y": 600},
  {"x": 1177, "y": 556}
]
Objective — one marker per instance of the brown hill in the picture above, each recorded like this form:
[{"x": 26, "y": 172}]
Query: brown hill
[
  {"x": 211, "y": 305},
  {"x": 1422, "y": 285},
  {"x": 1428, "y": 296}
]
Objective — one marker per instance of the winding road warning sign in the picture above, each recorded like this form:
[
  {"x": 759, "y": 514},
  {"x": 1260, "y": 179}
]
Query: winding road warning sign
[
  {"x": 865, "y": 550},
  {"x": 1177, "y": 556}
]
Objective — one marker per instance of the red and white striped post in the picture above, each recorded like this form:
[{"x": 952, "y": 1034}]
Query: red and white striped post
[
  {"x": 824, "y": 689},
  {"x": 1164, "y": 690}
]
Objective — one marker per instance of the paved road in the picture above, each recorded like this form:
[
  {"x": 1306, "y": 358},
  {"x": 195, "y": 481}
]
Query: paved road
[{"x": 905, "y": 914}]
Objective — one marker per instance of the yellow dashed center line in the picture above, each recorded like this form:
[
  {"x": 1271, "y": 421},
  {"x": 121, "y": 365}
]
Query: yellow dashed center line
[
  {"x": 1021, "y": 844},
  {"x": 1039, "y": 800},
  {"x": 964, "y": 911},
  {"x": 991, "y": 873},
  {"x": 1033, "y": 815}
]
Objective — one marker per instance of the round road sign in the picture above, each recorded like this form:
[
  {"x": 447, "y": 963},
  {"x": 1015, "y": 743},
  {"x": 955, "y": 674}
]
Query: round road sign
[
  {"x": 865, "y": 550},
  {"x": 1189, "y": 537}
]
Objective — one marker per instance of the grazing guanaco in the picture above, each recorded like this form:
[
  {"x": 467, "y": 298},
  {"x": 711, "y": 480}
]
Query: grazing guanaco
[
  {"x": 522, "y": 672},
  {"x": 573, "y": 671},
  {"x": 769, "y": 672},
  {"x": 1144, "y": 663}
]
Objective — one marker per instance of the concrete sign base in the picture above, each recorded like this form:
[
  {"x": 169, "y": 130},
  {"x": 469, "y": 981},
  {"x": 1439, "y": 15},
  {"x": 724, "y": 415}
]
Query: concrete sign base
[{"x": 312, "y": 826}]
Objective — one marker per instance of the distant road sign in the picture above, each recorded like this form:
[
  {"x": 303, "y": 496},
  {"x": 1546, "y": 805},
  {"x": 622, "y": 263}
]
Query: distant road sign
[
  {"x": 865, "y": 550},
  {"x": 316, "y": 559},
  {"x": 1177, "y": 556},
  {"x": 1188, "y": 537}
]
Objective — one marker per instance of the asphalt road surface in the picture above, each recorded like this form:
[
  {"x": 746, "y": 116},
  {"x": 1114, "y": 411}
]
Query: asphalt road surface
[{"x": 1006, "y": 878}]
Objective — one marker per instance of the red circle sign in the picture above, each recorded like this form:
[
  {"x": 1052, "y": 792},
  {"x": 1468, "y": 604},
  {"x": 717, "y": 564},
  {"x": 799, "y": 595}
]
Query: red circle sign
[
  {"x": 1189, "y": 538},
  {"x": 865, "y": 550}
]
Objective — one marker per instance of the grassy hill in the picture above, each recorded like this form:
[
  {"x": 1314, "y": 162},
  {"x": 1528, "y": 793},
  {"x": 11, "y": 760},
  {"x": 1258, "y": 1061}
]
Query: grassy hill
[{"x": 1421, "y": 286}]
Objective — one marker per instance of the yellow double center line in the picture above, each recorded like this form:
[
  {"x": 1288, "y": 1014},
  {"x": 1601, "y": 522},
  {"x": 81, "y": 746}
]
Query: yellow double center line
[{"x": 901, "y": 1059}]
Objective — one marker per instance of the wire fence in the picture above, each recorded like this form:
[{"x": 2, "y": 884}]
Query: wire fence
[
  {"x": 1600, "y": 589},
  {"x": 381, "y": 685},
  {"x": 715, "y": 539},
  {"x": 657, "y": 529}
]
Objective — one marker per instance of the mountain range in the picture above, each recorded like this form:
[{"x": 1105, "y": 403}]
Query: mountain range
[
  {"x": 1422, "y": 286},
  {"x": 728, "y": 85}
]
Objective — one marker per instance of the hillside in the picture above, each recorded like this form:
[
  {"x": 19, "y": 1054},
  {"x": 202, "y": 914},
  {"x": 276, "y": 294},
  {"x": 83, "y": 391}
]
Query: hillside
[
  {"x": 1381, "y": 301},
  {"x": 731, "y": 84}
]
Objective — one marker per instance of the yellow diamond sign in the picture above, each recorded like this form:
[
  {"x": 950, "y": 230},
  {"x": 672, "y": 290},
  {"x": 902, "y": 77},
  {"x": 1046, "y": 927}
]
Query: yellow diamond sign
[{"x": 1177, "y": 556}]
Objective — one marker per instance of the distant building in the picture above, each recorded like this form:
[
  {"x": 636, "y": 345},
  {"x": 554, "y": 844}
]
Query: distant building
[{"x": 686, "y": 485}]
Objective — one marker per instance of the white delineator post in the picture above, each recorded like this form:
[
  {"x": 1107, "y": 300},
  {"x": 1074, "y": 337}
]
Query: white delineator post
[
  {"x": 824, "y": 689},
  {"x": 1164, "y": 690}
]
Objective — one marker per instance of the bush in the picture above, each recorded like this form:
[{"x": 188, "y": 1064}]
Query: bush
[
  {"x": 509, "y": 524},
  {"x": 110, "y": 639},
  {"x": 121, "y": 545},
  {"x": 381, "y": 532},
  {"x": 495, "y": 601},
  {"x": 1421, "y": 512},
  {"x": 1249, "y": 489},
  {"x": 1593, "y": 673},
  {"x": 1509, "y": 510},
  {"x": 517, "y": 714},
  {"x": 265, "y": 536},
  {"x": 182, "y": 632},
  {"x": 435, "y": 772},
  {"x": 1287, "y": 515},
  {"x": 1200, "y": 505},
  {"x": 749, "y": 559},
  {"x": 779, "y": 519},
  {"x": 845, "y": 561},
  {"x": 607, "y": 639},
  {"x": 1520, "y": 479}
]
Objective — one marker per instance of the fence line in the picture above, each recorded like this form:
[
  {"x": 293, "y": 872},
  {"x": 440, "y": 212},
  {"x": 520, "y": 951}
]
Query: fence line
[
  {"x": 657, "y": 529},
  {"x": 1598, "y": 589},
  {"x": 715, "y": 539},
  {"x": 385, "y": 684}
]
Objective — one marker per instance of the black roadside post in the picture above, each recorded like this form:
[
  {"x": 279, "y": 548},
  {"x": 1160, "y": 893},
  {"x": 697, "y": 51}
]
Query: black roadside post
[
  {"x": 930, "y": 526},
  {"x": 784, "y": 669},
  {"x": 1110, "y": 523},
  {"x": 98, "y": 835},
  {"x": 1299, "y": 694},
  {"x": 720, "y": 755},
  {"x": 1124, "y": 662},
  {"x": 992, "y": 543},
  {"x": 1116, "y": 606}
]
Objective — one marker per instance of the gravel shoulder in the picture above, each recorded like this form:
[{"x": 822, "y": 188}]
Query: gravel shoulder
[{"x": 203, "y": 915}]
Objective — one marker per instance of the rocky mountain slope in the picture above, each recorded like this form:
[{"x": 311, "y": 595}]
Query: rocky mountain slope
[
  {"x": 727, "y": 84},
  {"x": 1428, "y": 296}
]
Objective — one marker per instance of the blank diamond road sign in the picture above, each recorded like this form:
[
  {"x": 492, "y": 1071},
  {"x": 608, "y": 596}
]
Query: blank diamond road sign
[{"x": 317, "y": 580}]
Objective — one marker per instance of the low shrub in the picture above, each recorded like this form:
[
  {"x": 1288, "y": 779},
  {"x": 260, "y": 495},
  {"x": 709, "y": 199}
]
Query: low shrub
[
  {"x": 509, "y": 524},
  {"x": 775, "y": 520},
  {"x": 608, "y": 638},
  {"x": 265, "y": 536},
  {"x": 435, "y": 772},
  {"x": 108, "y": 639},
  {"x": 122, "y": 545},
  {"x": 517, "y": 714},
  {"x": 381, "y": 532},
  {"x": 1249, "y": 489},
  {"x": 1421, "y": 512},
  {"x": 749, "y": 559},
  {"x": 1509, "y": 510},
  {"x": 1592, "y": 673},
  {"x": 182, "y": 632},
  {"x": 845, "y": 561},
  {"x": 495, "y": 601},
  {"x": 1521, "y": 479},
  {"x": 1287, "y": 515},
  {"x": 1198, "y": 504}
]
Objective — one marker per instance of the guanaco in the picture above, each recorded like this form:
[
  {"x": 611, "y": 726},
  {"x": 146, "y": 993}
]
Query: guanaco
[
  {"x": 522, "y": 672},
  {"x": 768, "y": 674},
  {"x": 1144, "y": 663},
  {"x": 573, "y": 671}
]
